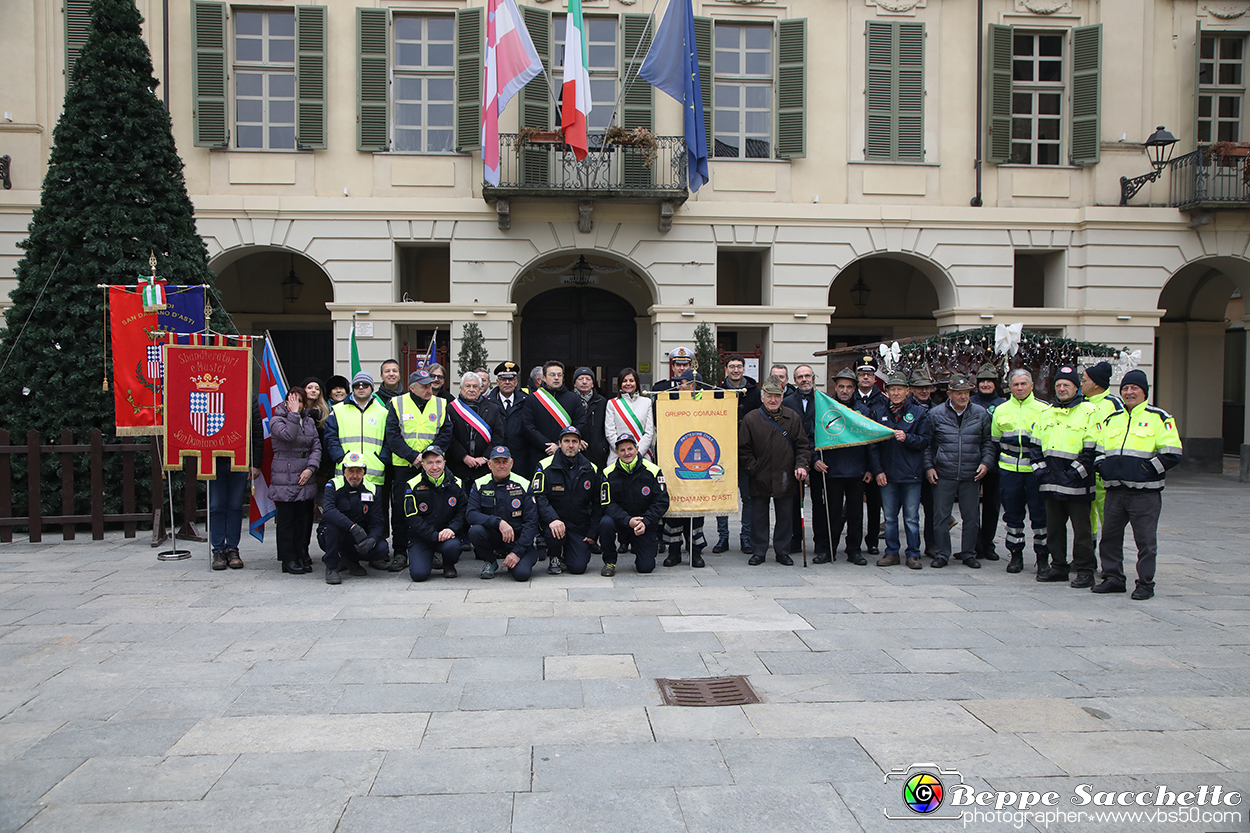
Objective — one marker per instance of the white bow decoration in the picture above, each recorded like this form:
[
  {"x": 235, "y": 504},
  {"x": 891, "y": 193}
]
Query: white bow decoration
[
  {"x": 1129, "y": 360},
  {"x": 890, "y": 355},
  {"x": 1007, "y": 338}
]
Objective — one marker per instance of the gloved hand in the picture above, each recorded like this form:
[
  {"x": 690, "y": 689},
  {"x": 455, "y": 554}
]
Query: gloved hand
[
  {"x": 366, "y": 546},
  {"x": 358, "y": 534}
]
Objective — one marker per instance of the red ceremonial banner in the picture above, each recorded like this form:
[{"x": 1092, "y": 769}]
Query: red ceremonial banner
[
  {"x": 136, "y": 364},
  {"x": 209, "y": 394}
]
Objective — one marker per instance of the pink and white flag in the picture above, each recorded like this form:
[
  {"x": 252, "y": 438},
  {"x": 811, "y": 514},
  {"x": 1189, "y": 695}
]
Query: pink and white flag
[{"x": 511, "y": 61}]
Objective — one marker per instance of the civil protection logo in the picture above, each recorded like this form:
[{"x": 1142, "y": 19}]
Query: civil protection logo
[{"x": 696, "y": 456}]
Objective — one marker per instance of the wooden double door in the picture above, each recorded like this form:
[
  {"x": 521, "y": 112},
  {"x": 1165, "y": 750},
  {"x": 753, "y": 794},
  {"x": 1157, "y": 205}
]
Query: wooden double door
[{"x": 582, "y": 327}]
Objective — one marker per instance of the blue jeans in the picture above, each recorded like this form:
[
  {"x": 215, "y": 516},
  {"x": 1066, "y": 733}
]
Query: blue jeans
[
  {"x": 907, "y": 497},
  {"x": 225, "y": 506}
]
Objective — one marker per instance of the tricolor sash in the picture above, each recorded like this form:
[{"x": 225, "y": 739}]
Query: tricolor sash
[
  {"x": 553, "y": 407},
  {"x": 630, "y": 419},
  {"x": 473, "y": 418}
]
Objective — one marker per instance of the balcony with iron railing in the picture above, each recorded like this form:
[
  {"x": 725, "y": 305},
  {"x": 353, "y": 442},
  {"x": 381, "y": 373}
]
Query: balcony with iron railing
[
  {"x": 542, "y": 167},
  {"x": 1208, "y": 180}
]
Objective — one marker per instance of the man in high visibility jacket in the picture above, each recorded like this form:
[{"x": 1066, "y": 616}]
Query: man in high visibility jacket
[
  {"x": 353, "y": 521},
  {"x": 1094, "y": 384},
  {"x": 1063, "y": 460},
  {"x": 359, "y": 424},
  {"x": 1012, "y": 432},
  {"x": 414, "y": 421},
  {"x": 1136, "y": 448}
]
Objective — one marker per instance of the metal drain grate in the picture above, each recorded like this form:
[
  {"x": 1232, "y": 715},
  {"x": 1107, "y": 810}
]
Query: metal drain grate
[{"x": 707, "y": 691}]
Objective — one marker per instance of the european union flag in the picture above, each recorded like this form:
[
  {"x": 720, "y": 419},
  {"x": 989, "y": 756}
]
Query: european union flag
[{"x": 672, "y": 66}]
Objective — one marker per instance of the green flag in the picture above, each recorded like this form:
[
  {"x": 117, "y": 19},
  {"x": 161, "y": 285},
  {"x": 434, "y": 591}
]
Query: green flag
[
  {"x": 837, "y": 426},
  {"x": 355, "y": 352}
]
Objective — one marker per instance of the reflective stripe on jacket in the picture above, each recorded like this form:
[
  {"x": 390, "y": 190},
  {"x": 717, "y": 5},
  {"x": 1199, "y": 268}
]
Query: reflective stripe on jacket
[
  {"x": 1063, "y": 458},
  {"x": 1137, "y": 447},
  {"x": 1012, "y": 431},
  {"x": 350, "y": 428}
]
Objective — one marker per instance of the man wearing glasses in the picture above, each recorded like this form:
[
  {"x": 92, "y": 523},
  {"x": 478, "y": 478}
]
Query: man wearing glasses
[{"x": 439, "y": 376}]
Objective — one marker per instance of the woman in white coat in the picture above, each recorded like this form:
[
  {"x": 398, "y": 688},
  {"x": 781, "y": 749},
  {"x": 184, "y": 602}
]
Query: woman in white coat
[{"x": 630, "y": 413}]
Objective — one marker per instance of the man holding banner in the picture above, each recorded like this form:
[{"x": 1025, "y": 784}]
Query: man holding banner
[
  {"x": 775, "y": 451},
  {"x": 899, "y": 468}
]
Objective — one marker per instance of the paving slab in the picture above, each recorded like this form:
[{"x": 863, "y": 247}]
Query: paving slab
[
  {"x": 302, "y": 733},
  {"x": 589, "y": 768},
  {"x": 450, "y": 771},
  {"x": 463, "y": 730},
  {"x": 1119, "y": 753},
  {"x": 106, "y": 779},
  {"x": 636, "y": 810},
  {"x": 255, "y": 774},
  {"x": 795, "y": 808}
]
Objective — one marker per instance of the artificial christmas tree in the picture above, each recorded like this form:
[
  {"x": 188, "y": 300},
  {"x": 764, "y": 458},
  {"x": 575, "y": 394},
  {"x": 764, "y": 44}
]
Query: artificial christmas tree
[
  {"x": 114, "y": 191},
  {"x": 472, "y": 353}
]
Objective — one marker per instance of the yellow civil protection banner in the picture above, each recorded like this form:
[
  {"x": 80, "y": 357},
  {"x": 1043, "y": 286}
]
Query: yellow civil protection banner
[{"x": 697, "y": 442}]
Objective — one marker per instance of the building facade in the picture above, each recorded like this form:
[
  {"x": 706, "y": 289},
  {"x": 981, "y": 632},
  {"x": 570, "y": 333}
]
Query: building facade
[{"x": 961, "y": 160}]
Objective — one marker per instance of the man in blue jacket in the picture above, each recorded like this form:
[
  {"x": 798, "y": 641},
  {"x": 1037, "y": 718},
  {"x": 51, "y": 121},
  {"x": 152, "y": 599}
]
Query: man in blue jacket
[
  {"x": 503, "y": 519},
  {"x": 898, "y": 464},
  {"x": 956, "y": 460},
  {"x": 353, "y": 522},
  {"x": 844, "y": 472}
]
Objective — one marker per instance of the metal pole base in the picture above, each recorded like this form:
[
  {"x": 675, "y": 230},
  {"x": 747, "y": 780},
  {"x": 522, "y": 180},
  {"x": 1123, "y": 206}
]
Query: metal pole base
[{"x": 173, "y": 555}]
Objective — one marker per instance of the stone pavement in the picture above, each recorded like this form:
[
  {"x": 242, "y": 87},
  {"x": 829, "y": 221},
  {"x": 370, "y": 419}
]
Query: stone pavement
[{"x": 137, "y": 695}]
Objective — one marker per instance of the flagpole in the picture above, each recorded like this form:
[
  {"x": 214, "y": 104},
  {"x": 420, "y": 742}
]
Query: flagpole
[{"x": 603, "y": 146}]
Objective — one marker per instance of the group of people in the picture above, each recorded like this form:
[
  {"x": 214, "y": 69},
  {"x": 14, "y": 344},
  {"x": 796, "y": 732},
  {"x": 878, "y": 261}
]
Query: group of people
[{"x": 521, "y": 474}]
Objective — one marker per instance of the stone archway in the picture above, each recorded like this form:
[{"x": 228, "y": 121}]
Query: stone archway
[
  {"x": 904, "y": 291},
  {"x": 599, "y": 319},
  {"x": 251, "y": 283},
  {"x": 1201, "y": 337}
]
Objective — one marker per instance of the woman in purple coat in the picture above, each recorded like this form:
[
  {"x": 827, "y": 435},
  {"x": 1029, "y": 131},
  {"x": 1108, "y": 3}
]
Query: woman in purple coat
[{"x": 293, "y": 483}]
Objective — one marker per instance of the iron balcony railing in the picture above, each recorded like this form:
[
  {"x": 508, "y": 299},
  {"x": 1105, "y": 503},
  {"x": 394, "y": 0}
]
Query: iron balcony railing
[
  {"x": 1203, "y": 180},
  {"x": 549, "y": 169}
]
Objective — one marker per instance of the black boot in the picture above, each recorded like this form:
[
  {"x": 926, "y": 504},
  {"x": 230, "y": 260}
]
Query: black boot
[
  {"x": 674, "y": 555},
  {"x": 1016, "y": 564}
]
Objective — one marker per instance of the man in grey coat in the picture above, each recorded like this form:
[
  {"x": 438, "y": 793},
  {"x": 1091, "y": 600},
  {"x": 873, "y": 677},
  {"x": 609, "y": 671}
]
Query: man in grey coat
[{"x": 958, "y": 457}]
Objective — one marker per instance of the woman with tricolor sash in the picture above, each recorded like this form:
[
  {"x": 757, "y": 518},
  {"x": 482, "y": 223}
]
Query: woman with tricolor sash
[{"x": 630, "y": 413}]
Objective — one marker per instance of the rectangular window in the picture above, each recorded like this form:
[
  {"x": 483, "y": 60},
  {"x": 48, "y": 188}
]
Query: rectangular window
[
  {"x": 264, "y": 79},
  {"x": 1221, "y": 87},
  {"x": 424, "y": 83},
  {"x": 604, "y": 65},
  {"x": 894, "y": 94},
  {"x": 743, "y": 67},
  {"x": 1037, "y": 75}
]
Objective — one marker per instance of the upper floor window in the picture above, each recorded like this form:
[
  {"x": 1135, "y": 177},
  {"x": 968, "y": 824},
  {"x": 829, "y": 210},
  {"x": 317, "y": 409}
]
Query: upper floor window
[
  {"x": 743, "y": 91},
  {"x": 278, "y": 59},
  {"x": 1033, "y": 75},
  {"x": 894, "y": 93},
  {"x": 264, "y": 80},
  {"x": 424, "y": 83},
  {"x": 1221, "y": 87},
  {"x": 1036, "y": 98}
]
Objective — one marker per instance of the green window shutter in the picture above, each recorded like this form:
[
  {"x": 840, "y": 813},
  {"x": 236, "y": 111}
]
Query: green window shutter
[
  {"x": 998, "y": 95},
  {"x": 77, "y": 26},
  {"x": 536, "y": 105},
  {"x": 372, "y": 112},
  {"x": 208, "y": 74},
  {"x": 909, "y": 105},
  {"x": 791, "y": 88},
  {"x": 470, "y": 31},
  {"x": 638, "y": 101},
  {"x": 879, "y": 90},
  {"x": 1197, "y": 84},
  {"x": 703, "y": 46},
  {"x": 1086, "y": 93},
  {"x": 310, "y": 77}
]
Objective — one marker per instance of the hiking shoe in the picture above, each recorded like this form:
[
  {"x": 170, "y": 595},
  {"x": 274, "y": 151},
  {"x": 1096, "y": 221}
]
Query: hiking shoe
[
  {"x": 609, "y": 569},
  {"x": 490, "y": 569}
]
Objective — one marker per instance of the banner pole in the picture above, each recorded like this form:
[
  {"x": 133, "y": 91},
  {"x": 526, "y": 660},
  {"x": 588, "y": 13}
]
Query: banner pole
[{"x": 802, "y": 528}]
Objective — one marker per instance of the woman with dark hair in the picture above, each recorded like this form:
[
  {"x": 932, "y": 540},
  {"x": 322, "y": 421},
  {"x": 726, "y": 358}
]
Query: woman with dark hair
[
  {"x": 339, "y": 388},
  {"x": 630, "y": 413},
  {"x": 292, "y": 482},
  {"x": 319, "y": 410}
]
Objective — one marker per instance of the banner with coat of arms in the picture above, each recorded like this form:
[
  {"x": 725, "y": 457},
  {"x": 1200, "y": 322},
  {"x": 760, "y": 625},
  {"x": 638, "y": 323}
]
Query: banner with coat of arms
[
  {"x": 138, "y": 338},
  {"x": 697, "y": 448},
  {"x": 208, "y": 392}
]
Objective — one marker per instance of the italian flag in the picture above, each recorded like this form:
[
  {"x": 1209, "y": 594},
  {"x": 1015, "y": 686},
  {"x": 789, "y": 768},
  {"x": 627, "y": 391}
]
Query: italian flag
[{"x": 575, "y": 91}]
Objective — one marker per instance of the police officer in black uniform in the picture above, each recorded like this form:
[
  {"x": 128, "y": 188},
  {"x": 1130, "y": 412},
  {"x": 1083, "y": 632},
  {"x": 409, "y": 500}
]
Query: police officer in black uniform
[
  {"x": 508, "y": 396},
  {"x": 568, "y": 491},
  {"x": 503, "y": 519},
  {"x": 353, "y": 522},
  {"x": 434, "y": 503},
  {"x": 636, "y": 499}
]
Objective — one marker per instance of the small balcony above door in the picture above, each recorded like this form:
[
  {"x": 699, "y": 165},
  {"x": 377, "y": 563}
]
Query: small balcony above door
[{"x": 540, "y": 166}]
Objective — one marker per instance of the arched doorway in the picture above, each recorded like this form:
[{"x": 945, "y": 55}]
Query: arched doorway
[
  {"x": 285, "y": 293},
  {"x": 582, "y": 327},
  {"x": 881, "y": 298},
  {"x": 1200, "y": 358}
]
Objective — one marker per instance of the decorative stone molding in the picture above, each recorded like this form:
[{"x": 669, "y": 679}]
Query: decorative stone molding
[
  {"x": 1224, "y": 11},
  {"x": 1044, "y": 6},
  {"x": 895, "y": 6}
]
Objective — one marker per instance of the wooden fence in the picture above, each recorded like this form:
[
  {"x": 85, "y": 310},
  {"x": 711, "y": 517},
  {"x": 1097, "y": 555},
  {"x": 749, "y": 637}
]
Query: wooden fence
[{"x": 96, "y": 448}]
